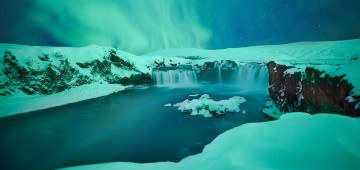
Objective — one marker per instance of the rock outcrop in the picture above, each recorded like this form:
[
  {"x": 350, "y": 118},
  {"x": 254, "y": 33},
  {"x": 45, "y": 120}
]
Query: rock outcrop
[
  {"x": 311, "y": 91},
  {"x": 53, "y": 73}
]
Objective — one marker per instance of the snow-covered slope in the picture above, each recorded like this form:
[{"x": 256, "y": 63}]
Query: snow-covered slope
[
  {"x": 296, "y": 141},
  {"x": 34, "y": 56},
  {"x": 301, "y": 50},
  {"x": 48, "y": 70},
  {"x": 34, "y": 77}
]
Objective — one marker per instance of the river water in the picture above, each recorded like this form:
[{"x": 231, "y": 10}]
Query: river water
[{"x": 131, "y": 125}]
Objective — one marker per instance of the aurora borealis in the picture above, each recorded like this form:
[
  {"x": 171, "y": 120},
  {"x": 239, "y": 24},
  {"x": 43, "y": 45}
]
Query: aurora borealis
[{"x": 142, "y": 26}]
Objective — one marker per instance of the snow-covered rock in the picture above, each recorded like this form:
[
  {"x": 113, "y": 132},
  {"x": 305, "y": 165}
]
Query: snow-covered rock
[
  {"x": 205, "y": 106},
  {"x": 167, "y": 105},
  {"x": 194, "y": 95},
  {"x": 272, "y": 110}
]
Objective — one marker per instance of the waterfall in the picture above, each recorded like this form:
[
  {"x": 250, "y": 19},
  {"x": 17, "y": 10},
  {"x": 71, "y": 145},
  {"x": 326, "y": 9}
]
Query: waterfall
[
  {"x": 219, "y": 68},
  {"x": 253, "y": 76},
  {"x": 174, "y": 77}
]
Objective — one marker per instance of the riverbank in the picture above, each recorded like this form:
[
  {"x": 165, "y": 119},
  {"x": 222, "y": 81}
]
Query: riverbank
[{"x": 20, "y": 102}]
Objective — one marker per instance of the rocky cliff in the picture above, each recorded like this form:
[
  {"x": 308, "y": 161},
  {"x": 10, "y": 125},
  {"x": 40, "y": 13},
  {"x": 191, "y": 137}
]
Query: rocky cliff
[{"x": 311, "y": 91}]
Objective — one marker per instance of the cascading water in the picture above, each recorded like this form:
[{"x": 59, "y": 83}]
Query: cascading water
[
  {"x": 219, "y": 74},
  {"x": 253, "y": 76},
  {"x": 174, "y": 76},
  {"x": 250, "y": 76}
]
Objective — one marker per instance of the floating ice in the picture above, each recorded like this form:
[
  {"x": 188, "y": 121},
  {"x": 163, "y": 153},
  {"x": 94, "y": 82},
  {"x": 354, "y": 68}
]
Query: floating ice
[{"x": 194, "y": 95}]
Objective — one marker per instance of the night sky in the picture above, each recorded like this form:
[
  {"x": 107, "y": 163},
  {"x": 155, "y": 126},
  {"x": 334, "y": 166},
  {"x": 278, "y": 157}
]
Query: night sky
[{"x": 142, "y": 26}]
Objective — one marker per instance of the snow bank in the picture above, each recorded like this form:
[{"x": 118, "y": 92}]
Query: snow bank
[
  {"x": 20, "y": 102},
  {"x": 296, "y": 141},
  {"x": 300, "y": 52},
  {"x": 205, "y": 105},
  {"x": 271, "y": 110}
]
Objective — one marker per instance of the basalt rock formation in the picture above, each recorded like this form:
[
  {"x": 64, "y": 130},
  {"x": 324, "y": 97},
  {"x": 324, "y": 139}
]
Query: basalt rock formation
[{"x": 311, "y": 91}]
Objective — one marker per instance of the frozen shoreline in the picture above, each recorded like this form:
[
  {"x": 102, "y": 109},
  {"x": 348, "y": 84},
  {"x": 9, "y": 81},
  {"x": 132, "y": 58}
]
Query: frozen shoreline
[{"x": 21, "y": 103}]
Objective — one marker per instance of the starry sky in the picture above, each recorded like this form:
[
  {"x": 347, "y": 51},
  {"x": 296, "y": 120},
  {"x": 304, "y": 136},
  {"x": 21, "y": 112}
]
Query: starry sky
[{"x": 142, "y": 26}]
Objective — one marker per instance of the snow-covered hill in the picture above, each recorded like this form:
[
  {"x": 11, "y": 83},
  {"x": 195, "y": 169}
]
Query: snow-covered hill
[
  {"x": 33, "y": 78},
  {"x": 48, "y": 70}
]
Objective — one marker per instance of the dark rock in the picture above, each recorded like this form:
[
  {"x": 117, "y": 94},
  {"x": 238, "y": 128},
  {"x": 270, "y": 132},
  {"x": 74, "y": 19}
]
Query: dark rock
[
  {"x": 179, "y": 67},
  {"x": 191, "y": 57},
  {"x": 228, "y": 65},
  {"x": 159, "y": 63},
  {"x": 102, "y": 68},
  {"x": 44, "y": 57},
  {"x": 310, "y": 92},
  {"x": 117, "y": 61},
  {"x": 208, "y": 66},
  {"x": 27, "y": 90},
  {"x": 84, "y": 65},
  {"x": 135, "y": 79}
]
